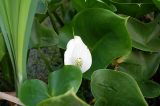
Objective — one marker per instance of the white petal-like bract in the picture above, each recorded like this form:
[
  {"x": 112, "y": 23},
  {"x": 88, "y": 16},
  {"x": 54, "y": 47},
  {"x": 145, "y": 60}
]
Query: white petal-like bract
[{"x": 77, "y": 53}]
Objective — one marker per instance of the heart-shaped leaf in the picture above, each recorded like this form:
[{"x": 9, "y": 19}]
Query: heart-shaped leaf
[
  {"x": 68, "y": 99},
  {"x": 32, "y": 92},
  {"x": 97, "y": 35},
  {"x": 105, "y": 34},
  {"x": 142, "y": 66},
  {"x": 62, "y": 87},
  {"x": 64, "y": 79},
  {"x": 145, "y": 36},
  {"x": 114, "y": 88}
]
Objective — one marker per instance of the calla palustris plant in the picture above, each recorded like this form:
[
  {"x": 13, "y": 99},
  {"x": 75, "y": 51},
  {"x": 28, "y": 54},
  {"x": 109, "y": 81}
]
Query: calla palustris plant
[
  {"x": 78, "y": 54},
  {"x": 16, "y": 17}
]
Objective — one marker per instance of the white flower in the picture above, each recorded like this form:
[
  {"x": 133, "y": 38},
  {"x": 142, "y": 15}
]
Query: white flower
[{"x": 78, "y": 54}]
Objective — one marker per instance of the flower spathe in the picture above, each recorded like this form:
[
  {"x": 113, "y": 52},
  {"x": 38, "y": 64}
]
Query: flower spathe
[{"x": 78, "y": 54}]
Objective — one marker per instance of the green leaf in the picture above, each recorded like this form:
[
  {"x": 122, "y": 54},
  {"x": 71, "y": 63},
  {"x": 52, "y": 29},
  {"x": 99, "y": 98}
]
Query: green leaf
[
  {"x": 142, "y": 66},
  {"x": 62, "y": 87},
  {"x": 105, "y": 34},
  {"x": 135, "y": 8},
  {"x": 42, "y": 36},
  {"x": 2, "y": 47},
  {"x": 116, "y": 88},
  {"x": 157, "y": 3},
  {"x": 100, "y": 102},
  {"x": 147, "y": 62},
  {"x": 149, "y": 88},
  {"x": 63, "y": 80},
  {"x": 84, "y": 4},
  {"x": 68, "y": 99},
  {"x": 16, "y": 19},
  {"x": 32, "y": 92},
  {"x": 145, "y": 36}
]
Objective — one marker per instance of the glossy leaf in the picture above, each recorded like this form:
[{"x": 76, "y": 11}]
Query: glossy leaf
[
  {"x": 68, "y": 99},
  {"x": 112, "y": 88},
  {"x": 32, "y": 92},
  {"x": 62, "y": 87},
  {"x": 42, "y": 36},
  {"x": 84, "y": 4},
  {"x": 145, "y": 36},
  {"x": 135, "y": 8},
  {"x": 105, "y": 34},
  {"x": 63, "y": 80},
  {"x": 142, "y": 66}
]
